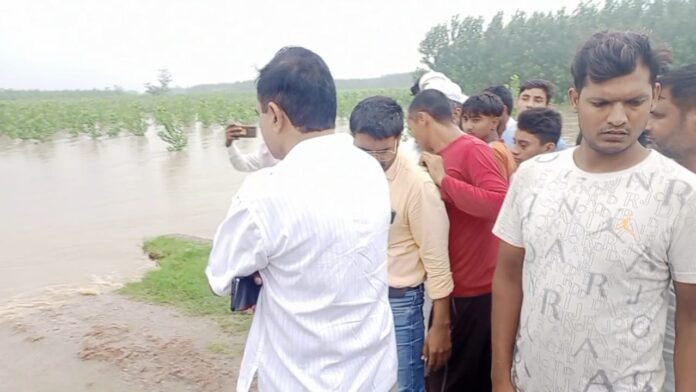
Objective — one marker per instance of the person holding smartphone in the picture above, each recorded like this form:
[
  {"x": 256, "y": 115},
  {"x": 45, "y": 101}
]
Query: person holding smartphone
[{"x": 250, "y": 162}]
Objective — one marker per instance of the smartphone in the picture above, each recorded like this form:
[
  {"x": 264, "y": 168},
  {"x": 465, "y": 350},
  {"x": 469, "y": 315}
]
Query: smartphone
[{"x": 249, "y": 131}]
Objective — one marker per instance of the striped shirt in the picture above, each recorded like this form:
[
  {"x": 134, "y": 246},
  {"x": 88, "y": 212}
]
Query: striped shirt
[
  {"x": 315, "y": 226},
  {"x": 252, "y": 161}
]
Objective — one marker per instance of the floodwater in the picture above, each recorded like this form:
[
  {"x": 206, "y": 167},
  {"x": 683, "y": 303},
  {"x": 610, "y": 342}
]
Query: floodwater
[{"x": 74, "y": 211}]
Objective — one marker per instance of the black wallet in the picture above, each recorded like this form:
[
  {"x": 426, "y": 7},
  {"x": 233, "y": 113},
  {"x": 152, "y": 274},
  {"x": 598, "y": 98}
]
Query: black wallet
[{"x": 245, "y": 293}]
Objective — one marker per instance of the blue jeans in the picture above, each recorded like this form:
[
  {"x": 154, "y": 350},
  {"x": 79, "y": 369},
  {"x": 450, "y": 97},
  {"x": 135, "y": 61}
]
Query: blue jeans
[{"x": 410, "y": 330}]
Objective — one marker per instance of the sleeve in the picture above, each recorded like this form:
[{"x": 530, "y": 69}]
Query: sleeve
[
  {"x": 508, "y": 226},
  {"x": 484, "y": 196},
  {"x": 682, "y": 249},
  {"x": 257, "y": 160},
  {"x": 430, "y": 229},
  {"x": 238, "y": 249}
]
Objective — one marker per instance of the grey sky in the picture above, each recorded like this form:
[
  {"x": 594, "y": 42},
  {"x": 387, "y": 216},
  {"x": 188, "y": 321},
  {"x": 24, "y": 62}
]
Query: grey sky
[{"x": 82, "y": 44}]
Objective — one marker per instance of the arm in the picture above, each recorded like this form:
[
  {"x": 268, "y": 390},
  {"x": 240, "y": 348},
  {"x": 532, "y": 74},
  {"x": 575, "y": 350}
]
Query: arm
[
  {"x": 507, "y": 283},
  {"x": 257, "y": 160},
  {"x": 685, "y": 342},
  {"x": 507, "y": 303},
  {"x": 438, "y": 344},
  {"x": 485, "y": 194},
  {"x": 238, "y": 249},
  {"x": 430, "y": 229}
]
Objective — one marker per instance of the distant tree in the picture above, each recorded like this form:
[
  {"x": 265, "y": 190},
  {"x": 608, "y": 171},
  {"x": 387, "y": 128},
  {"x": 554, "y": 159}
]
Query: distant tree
[
  {"x": 542, "y": 44},
  {"x": 164, "y": 78}
]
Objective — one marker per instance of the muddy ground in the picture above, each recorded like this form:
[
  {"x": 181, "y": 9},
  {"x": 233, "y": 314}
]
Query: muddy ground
[{"x": 106, "y": 342}]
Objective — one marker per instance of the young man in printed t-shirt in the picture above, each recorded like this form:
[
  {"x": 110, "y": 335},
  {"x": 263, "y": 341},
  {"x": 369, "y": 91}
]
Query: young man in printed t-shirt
[{"x": 592, "y": 238}]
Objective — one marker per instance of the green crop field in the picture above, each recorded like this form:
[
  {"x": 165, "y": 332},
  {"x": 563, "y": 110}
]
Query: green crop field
[{"x": 40, "y": 117}]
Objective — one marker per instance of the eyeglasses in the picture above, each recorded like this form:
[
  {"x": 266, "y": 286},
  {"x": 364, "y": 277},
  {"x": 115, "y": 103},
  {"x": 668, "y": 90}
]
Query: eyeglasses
[{"x": 385, "y": 155}]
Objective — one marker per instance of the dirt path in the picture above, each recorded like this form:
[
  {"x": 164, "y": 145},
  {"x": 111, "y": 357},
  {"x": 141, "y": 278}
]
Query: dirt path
[{"x": 109, "y": 343}]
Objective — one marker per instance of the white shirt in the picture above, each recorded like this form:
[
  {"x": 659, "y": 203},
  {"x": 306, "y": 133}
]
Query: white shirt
[
  {"x": 259, "y": 159},
  {"x": 315, "y": 226},
  {"x": 600, "y": 252}
]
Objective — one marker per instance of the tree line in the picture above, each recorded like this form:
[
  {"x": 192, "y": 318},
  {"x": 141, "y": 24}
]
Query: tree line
[{"x": 542, "y": 44}]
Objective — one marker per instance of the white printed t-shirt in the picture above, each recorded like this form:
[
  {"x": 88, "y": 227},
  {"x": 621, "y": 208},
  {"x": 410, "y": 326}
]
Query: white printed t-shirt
[{"x": 599, "y": 251}]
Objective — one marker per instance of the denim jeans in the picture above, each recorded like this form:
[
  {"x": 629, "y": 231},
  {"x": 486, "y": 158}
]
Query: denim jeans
[{"x": 410, "y": 331}]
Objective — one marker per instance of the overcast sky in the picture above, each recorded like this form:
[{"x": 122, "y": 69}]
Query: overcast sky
[{"x": 83, "y": 44}]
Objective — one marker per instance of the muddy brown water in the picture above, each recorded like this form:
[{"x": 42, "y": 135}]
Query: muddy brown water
[{"x": 74, "y": 211}]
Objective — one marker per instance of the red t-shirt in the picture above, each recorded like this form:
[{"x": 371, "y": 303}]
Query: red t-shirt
[{"x": 473, "y": 190}]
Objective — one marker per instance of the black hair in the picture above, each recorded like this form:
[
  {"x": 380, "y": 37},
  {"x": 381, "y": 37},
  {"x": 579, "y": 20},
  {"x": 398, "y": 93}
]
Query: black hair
[
  {"x": 483, "y": 104},
  {"x": 612, "y": 54},
  {"x": 544, "y": 123},
  {"x": 380, "y": 117},
  {"x": 433, "y": 102},
  {"x": 299, "y": 81},
  {"x": 542, "y": 84},
  {"x": 682, "y": 82},
  {"x": 504, "y": 94}
]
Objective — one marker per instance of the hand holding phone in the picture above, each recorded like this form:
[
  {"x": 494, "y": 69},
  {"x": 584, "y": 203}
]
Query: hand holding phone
[{"x": 236, "y": 131}]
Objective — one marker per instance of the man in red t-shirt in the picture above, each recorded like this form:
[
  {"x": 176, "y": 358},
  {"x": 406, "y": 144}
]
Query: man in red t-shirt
[{"x": 473, "y": 190}]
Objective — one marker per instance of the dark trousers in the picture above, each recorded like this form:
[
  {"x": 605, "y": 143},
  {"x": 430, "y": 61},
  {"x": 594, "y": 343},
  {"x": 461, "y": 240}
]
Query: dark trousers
[{"x": 469, "y": 367}]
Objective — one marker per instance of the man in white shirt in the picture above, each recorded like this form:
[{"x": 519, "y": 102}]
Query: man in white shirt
[{"x": 315, "y": 226}]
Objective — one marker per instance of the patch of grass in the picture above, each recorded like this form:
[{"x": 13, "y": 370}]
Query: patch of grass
[
  {"x": 218, "y": 348},
  {"x": 180, "y": 281}
]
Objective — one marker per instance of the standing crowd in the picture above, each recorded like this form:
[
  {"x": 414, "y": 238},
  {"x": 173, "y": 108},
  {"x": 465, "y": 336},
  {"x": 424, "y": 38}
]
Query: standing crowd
[{"x": 549, "y": 267}]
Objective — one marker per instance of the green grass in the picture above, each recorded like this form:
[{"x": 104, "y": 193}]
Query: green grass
[
  {"x": 180, "y": 282},
  {"x": 219, "y": 348}
]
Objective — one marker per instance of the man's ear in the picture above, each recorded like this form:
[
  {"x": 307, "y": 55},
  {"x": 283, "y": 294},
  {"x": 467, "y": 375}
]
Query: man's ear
[
  {"x": 574, "y": 98},
  {"x": 423, "y": 117},
  {"x": 550, "y": 146},
  {"x": 278, "y": 116},
  {"x": 496, "y": 122}
]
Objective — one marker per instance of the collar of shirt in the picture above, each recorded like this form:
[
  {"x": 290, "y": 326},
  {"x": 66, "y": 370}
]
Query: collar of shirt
[{"x": 316, "y": 143}]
